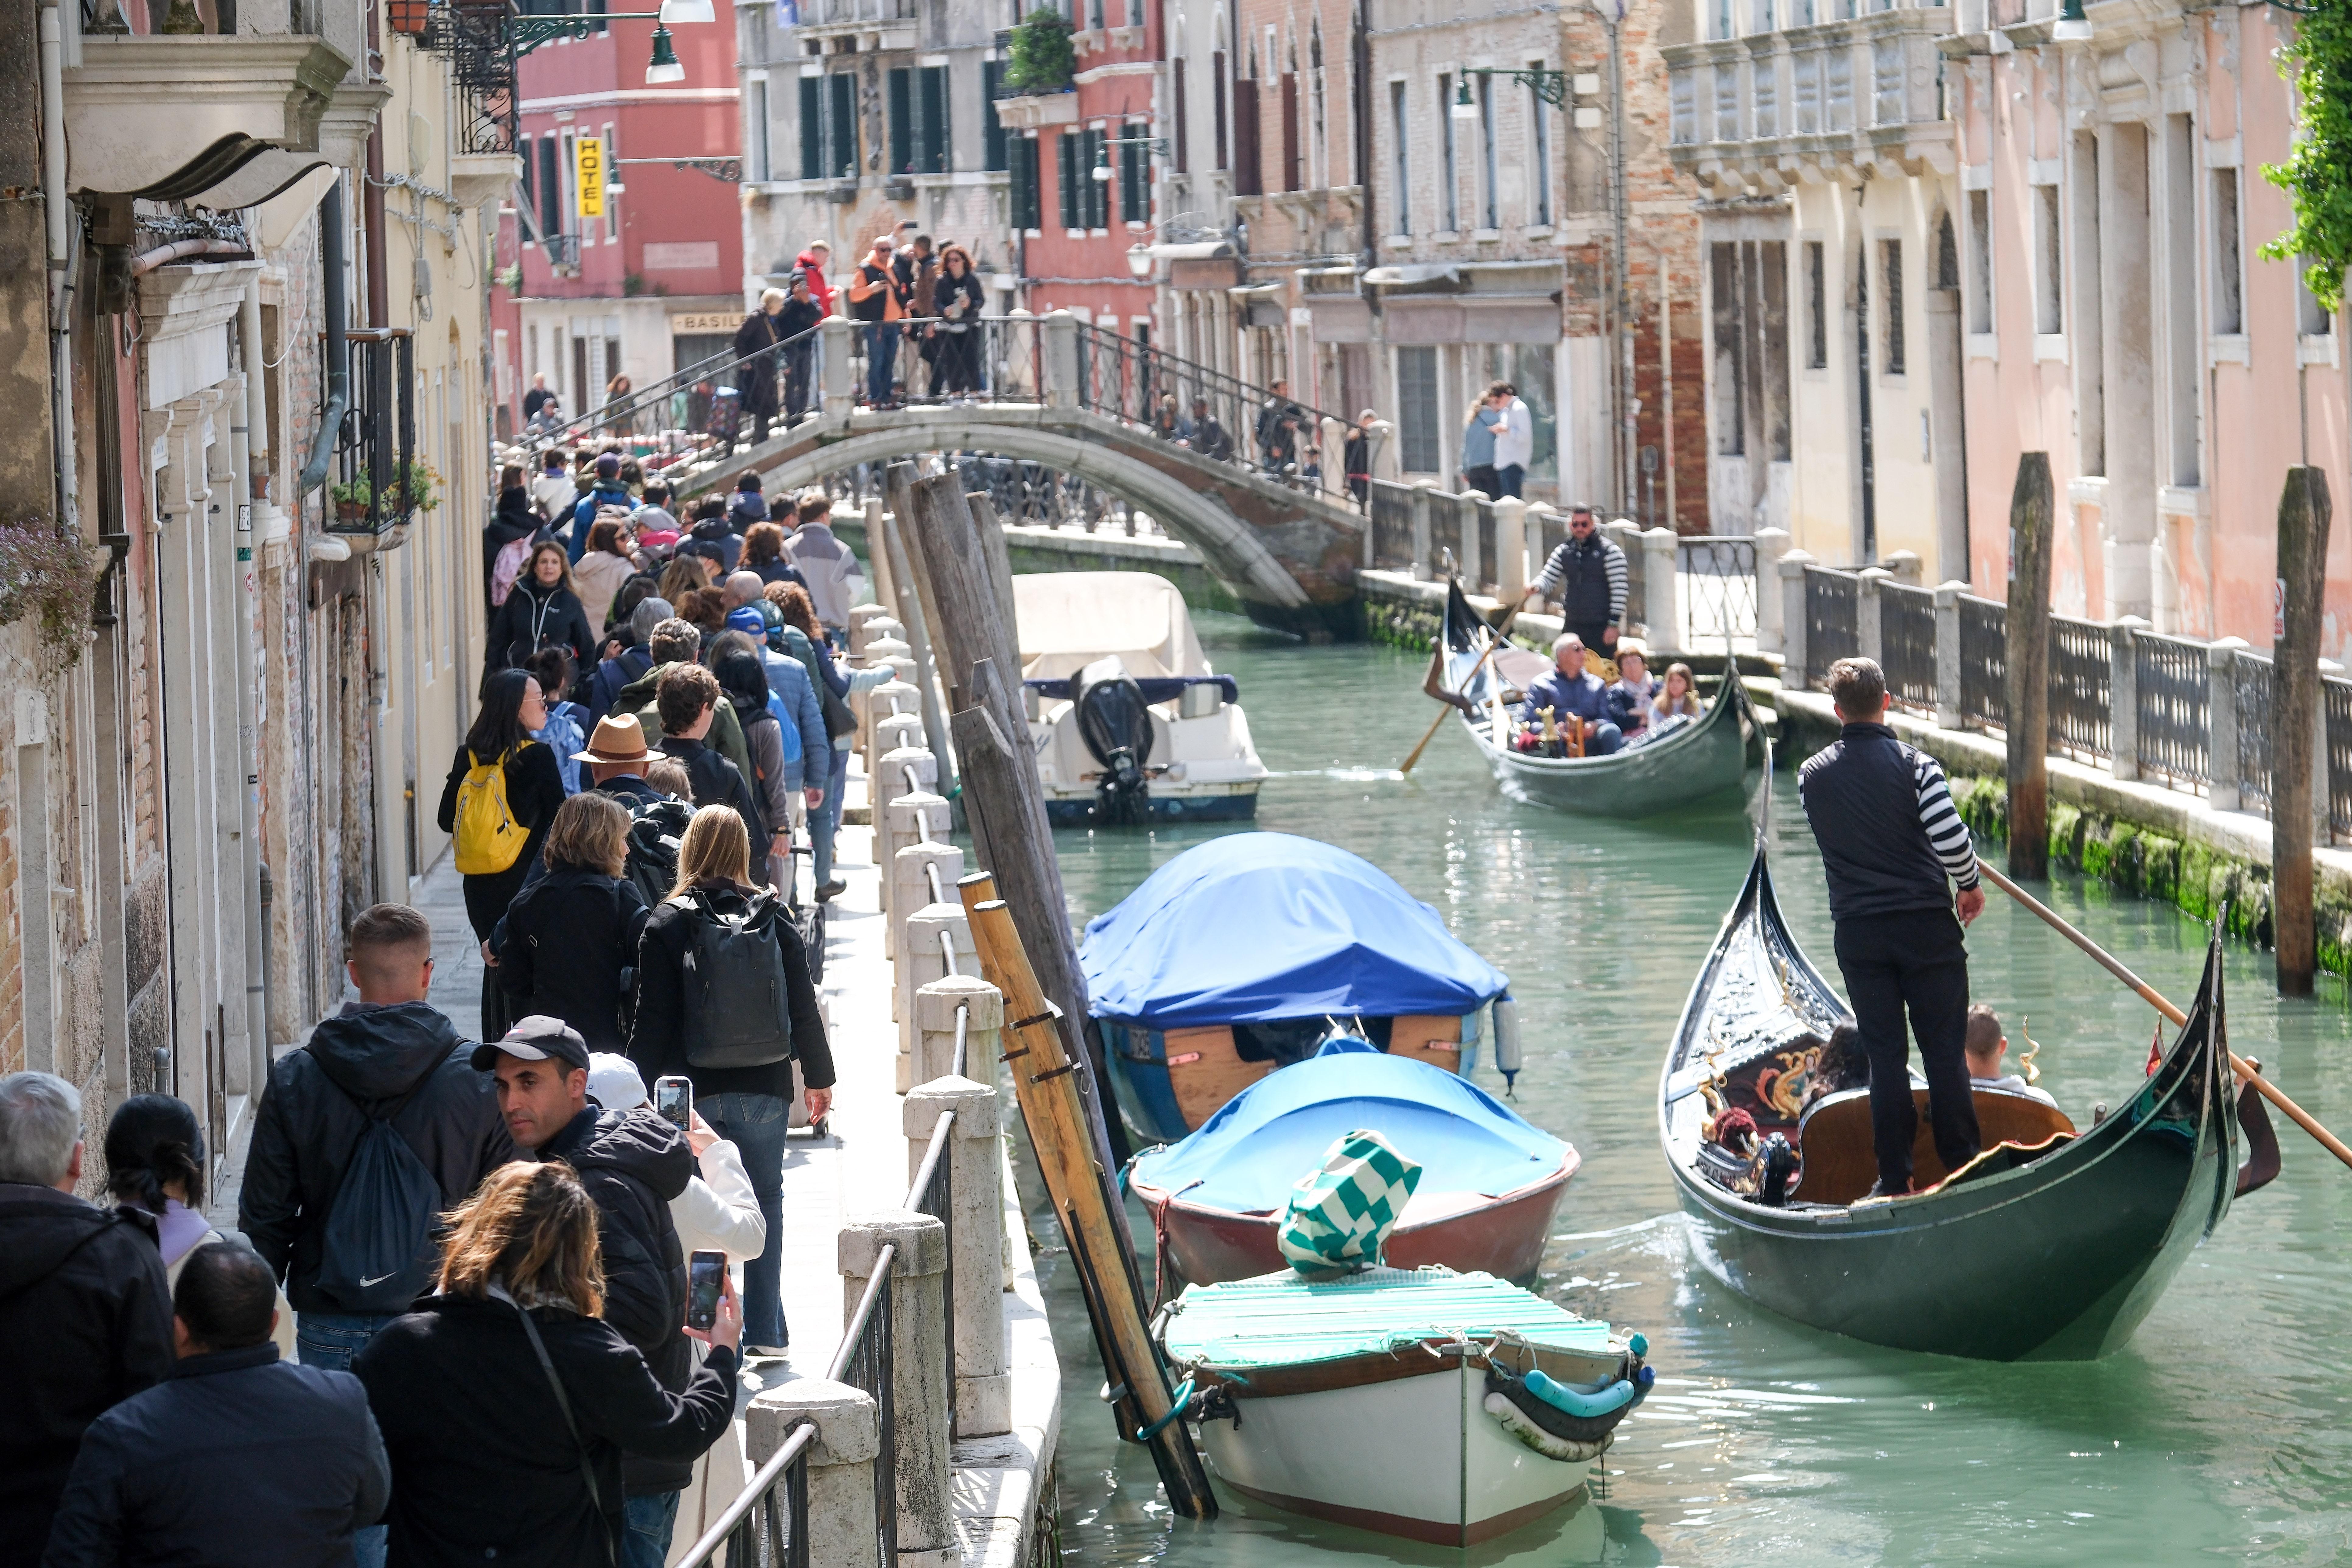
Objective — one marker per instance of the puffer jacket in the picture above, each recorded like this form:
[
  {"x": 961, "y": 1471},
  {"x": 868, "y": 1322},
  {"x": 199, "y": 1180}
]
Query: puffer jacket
[
  {"x": 320, "y": 1101},
  {"x": 634, "y": 1165}
]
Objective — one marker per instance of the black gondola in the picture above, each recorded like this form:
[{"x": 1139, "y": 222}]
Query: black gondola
[{"x": 2052, "y": 1244}]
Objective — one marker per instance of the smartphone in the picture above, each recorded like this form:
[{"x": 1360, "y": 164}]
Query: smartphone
[
  {"x": 706, "y": 1280},
  {"x": 674, "y": 1101}
]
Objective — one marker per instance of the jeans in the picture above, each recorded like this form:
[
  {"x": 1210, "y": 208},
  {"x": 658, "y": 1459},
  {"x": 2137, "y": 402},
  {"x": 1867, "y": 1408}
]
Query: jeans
[
  {"x": 1914, "y": 958},
  {"x": 330, "y": 1340},
  {"x": 755, "y": 1125},
  {"x": 1509, "y": 478},
  {"x": 824, "y": 822},
  {"x": 881, "y": 361},
  {"x": 652, "y": 1518}
]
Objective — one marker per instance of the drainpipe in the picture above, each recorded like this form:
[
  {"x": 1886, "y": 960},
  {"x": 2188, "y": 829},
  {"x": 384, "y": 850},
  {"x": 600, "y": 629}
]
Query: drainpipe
[
  {"x": 252, "y": 439},
  {"x": 1611, "y": 20},
  {"x": 339, "y": 354},
  {"x": 59, "y": 213}
]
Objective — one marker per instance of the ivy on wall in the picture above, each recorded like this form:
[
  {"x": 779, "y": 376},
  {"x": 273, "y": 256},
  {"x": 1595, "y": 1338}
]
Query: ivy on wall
[{"x": 2316, "y": 177}]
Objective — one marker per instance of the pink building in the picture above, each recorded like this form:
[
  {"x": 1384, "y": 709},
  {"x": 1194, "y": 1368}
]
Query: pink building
[{"x": 657, "y": 282}]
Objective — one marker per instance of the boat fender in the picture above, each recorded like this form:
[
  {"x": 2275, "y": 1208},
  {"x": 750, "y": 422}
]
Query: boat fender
[
  {"x": 1566, "y": 1450},
  {"x": 1576, "y": 1402},
  {"x": 1550, "y": 1410},
  {"x": 1508, "y": 1057}
]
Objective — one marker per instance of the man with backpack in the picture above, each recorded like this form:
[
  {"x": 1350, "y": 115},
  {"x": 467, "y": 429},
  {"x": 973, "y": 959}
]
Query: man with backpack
[
  {"x": 633, "y": 1164},
  {"x": 673, "y": 643},
  {"x": 689, "y": 699},
  {"x": 366, "y": 1136}
]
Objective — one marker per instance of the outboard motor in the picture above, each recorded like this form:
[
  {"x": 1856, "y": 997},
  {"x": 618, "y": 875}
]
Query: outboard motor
[{"x": 1115, "y": 725}]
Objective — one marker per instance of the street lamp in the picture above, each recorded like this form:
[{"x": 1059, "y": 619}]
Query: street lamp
[
  {"x": 1138, "y": 259},
  {"x": 665, "y": 66},
  {"x": 1100, "y": 172},
  {"x": 1464, "y": 107},
  {"x": 1548, "y": 85},
  {"x": 2072, "y": 27},
  {"x": 687, "y": 11},
  {"x": 530, "y": 32}
]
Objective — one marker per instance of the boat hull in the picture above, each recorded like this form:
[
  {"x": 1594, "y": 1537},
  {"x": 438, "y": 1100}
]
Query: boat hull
[
  {"x": 1334, "y": 1454},
  {"x": 1235, "y": 803},
  {"x": 1502, "y": 1236}
]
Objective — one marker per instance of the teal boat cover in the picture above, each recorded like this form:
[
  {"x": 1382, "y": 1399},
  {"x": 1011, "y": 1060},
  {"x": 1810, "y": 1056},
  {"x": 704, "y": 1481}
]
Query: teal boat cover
[
  {"x": 1284, "y": 1320},
  {"x": 1273, "y": 1135},
  {"x": 1257, "y": 927}
]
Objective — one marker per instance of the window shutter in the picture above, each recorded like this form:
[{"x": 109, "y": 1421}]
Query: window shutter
[
  {"x": 550, "y": 185},
  {"x": 931, "y": 118},
  {"x": 841, "y": 128},
  {"x": 529, "y": 175},
  {"x": 1176, "y": 79},
  {"x": 901, "y": 89},
  {"x": 1065, "y": 156},
  {"x": 992, "y": 130},
  {"x": 1023, "y": 160},
  {"x": 812, "y": 128}
]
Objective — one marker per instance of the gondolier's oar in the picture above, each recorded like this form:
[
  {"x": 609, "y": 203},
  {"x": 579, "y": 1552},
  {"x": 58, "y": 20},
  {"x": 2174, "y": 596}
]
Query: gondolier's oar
[
  {"x": 2113, "y": 965},
  {"x": 1502, "y": 634}
]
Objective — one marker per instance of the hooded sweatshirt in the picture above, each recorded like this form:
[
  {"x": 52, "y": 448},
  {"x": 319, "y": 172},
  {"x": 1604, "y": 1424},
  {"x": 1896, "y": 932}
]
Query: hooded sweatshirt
[
  {"x": 356, "y": 1067},
  {"x": 85, "y": 1324},
  {"x": 819, "y": 289}
]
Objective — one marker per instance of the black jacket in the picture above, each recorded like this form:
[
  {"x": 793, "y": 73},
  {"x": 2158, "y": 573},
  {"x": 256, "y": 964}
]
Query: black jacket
[
  {"x": 235, "y": 1457},
  {"x": 483, "y": 1470},
  {"x": 719, "y": 782},
  {"x": 534, "y": 794},
  {"x": 566, "y": 938},
  {"x": 514, "y": 519},
  {"x": 85, "y": 1322},
  {"x": 633, "y": 1164},
  {"x": 532, "y": 617},
  {"x": 310, "y": 1120},
  {"x": 658, "y": 1038},
  {"x": 1862, "y": 793}
]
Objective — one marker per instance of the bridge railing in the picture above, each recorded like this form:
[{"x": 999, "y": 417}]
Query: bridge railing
[
  {"x": 702, "y": 412},
  {"x": 1215, "y": 414}
]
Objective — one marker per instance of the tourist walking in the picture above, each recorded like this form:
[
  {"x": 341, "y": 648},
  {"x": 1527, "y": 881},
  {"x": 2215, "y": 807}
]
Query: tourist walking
[
  {"x": 155, "y": 1160},
  {"x": 689, "y": 700},
  {"x": 801, "y": 315},
  {"x": 680, "y": 642},
  {"x": 878, "y": 303},
  {"x": 570, "y": 935},
  {"x": 237, "y": 1457},
  {"x": 776, "y": 768},
  {"x": 633, "y": 1164},
  {"x": 542, "y": 610},
  {"x": 497, "y": 805},
  {"x": 1356, "y": 457},
  {"x": 712, "y": 1021},
  {"x": 633, "y": 659},
  {"x": 507, "y": 1399},
  {"x": 507, "y": 537},
  {"x": 833, "y": 688},
  {"x": 554, "y": 492},
  {"x": 811, "y": 264},
  {"x": 756, "y": 379},
  {"x": 763, "y": 553},
  {"x": 607, "y": 490},
  {"x": 85, "y": 1312},
  {"x": 1586, "y": 573},
  {"x": 600, "y": 571},
  {"x": 828, "y": 568},
  {"x": 956, "y": 301},
  {"x": 1893, "y": 850},
  {"x": 568, "y": 722}
]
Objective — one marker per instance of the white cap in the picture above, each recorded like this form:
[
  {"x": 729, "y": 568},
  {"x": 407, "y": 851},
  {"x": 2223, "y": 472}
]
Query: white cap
[{"x": 614, "y": 1082}]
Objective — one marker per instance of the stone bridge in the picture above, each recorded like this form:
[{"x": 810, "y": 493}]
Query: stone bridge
[{"x": 1289, "y": 555}]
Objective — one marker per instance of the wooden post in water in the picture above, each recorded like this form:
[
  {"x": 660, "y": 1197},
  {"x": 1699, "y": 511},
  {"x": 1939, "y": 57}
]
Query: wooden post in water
[
  {"x": 2028, "y": 666},
  {"x": 1084, "y": 1199},
  {"x": 886, "y": 540},
  {"x": 2296, "y": 738}
]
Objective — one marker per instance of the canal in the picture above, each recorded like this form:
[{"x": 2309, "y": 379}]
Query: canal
[{"x": 2224, "y": 1429}]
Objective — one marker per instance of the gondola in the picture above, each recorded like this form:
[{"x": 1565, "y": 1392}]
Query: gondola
[
  {"x": 2050, "y": 1244},
  {"x": 1710, "y": 759}
]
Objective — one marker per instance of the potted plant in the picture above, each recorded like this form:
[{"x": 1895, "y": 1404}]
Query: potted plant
[
  {"x": 46, "y": 578},
  {"x": 1043, "y": 58},
  {"x": 423, "y": 482},
  {"x": 409, "y": 17},
  {"x": 353, "y": 499}
]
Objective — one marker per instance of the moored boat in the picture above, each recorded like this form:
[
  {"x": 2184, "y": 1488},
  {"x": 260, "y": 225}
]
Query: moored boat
[
  {"x": 1490, "y": 1182},
  {"x": 1439, "y": 1407},
  {"x": 1242, "y": 955},
  {"x": 2053, "y": 1244},
  {"x": 1709, "y": 758},
  {"x": 1128, "y": 720}
]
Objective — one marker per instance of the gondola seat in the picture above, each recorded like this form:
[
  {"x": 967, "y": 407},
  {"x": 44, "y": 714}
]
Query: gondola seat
[{"x": 1839, "y": 1162}]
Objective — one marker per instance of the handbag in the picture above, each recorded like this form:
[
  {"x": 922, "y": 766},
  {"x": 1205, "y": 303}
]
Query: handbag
[{"x": 563, "y": 1402}]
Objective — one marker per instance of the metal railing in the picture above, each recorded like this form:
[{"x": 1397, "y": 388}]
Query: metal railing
[
  {"x": 1391, "y": 507},
  {"x": 864, "y": 1360},
  {"x": 1907, "y": 643},
  {"x": 2081, "y": 705},
  {"x": 2171, "y": 681},
  {"x": 932, "y": 1191},
  {"x": 1984, "y": 663},
  {"x": 2251, "y": 676},
  {"x": 1215, "y": 414},
  {"x": 1832, "y": 629},
  {"x": 2336, "y": 704},
  {"x": 767, "y": 1524},
  {"x": 1720, "y": 599}
]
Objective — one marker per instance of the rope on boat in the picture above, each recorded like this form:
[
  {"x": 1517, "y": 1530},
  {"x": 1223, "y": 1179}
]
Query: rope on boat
[{"x": 1177, "y": 1403}]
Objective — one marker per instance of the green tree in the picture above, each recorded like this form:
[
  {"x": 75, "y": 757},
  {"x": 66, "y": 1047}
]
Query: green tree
[
  {"x": 2316, "y": 177},
  {"x": 1043, "y": 58}
]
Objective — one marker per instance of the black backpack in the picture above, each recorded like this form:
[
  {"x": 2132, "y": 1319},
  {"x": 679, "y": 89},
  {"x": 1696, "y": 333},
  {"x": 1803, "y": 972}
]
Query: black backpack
[
  {"x": 657, "y": 829},
  {"x": 379, "y": 1251},
  {"x": 737, "y": 1013}
]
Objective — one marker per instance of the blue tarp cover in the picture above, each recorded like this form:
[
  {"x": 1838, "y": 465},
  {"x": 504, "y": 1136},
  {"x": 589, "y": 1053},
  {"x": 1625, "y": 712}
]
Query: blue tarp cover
[
  {"x": 1255, "y": 927},
  {"x": 1250, "y": 1154}
]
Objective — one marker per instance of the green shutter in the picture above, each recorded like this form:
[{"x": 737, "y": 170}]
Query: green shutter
[
  {"x": 901, "y": 88},
  {"x": 841, "y": 127},
  {"x": 931, "y": 122},
  {"x": 992, "y": 143},
  {"x": 1023, "y": 160},
  {"x": 1097, "y": 193},
  {"x": 1065, "y": 158},
  {"x": 812, "y": 128}
]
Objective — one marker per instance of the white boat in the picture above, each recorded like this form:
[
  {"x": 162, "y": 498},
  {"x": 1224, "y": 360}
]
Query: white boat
[
  {"x": 1441, "y": 1407},
  {"x": 1126, "y": 717}
]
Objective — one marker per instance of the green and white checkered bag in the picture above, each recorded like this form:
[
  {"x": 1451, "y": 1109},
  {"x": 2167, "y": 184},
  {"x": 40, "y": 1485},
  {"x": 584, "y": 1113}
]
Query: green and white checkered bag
[{"x": 1340, "y": 1216}]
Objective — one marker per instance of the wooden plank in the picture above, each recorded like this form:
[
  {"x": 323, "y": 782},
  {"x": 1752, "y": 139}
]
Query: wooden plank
[
  {"x": 1045, "y": 1082},
  {"x": 2027, "y": 667},
  {"x": 1427, "y": 1039},
  {"x": 1214, "y": 1074}
]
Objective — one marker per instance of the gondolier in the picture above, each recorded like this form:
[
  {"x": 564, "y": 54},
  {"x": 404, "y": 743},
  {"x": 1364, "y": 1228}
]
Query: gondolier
[
  {"x": 1891, "y": 841},
  {"x": 1586, "y": 573}
]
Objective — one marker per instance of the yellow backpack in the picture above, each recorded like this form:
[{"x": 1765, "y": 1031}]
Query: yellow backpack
[{"x": 490, "y": 840}]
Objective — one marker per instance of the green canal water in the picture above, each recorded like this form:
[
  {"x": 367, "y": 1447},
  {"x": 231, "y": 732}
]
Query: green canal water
[{"x": 2223, "y": 1430}]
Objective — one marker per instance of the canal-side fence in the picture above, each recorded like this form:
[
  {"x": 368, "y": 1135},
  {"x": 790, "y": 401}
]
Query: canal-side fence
[
  {"x": 853, "y": 1468},
  {"x": 2186, "y": 714}
]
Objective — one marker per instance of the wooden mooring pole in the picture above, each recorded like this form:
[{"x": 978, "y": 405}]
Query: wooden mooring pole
[
  {"x": 2298, "y": 733},
  {"x": 2027, "y": 667}
]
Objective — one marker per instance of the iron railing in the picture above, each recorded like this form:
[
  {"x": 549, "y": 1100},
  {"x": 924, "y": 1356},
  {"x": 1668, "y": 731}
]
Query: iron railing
[
  {"x": 1213, "y": 414},
  {"x": 866, "y": 1360},
  {"x": 1907, "y": 644},
  {"x": 1984, "y": 663},
  {"x": 767, "y": 1524},
  {"x": 2335, "y": 700},
  {"x": 2080, "y": 671},
  {"x": 2250, "y": 675},
  {"x": 2171, "y": 681},
  {"x": 374, "y": 471},
  {"x": 1719, "y": 587},
  {"x": 1391, "y": 506},
  {"x": 1831, "y": 632},
  {"x": 932, "y": 1191},
  {"x": 1445, "y": 528}
]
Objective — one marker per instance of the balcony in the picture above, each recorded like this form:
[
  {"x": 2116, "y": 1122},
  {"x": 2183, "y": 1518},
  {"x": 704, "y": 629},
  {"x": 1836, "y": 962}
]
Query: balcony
[
  {"x": 876, "y": 25},
  {"x": 171, "y": 116},
  {"x": 1825, "y": 101},
  {"x": 562, "y": 252}
]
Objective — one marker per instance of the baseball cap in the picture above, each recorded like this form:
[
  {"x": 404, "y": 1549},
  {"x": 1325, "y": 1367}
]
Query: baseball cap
[
  {"x": 608, "y": 467},
  {"x": 744, "y": 618},
  {"x": 536, "y": 1038},
  {"x": 614, "y": 1081}
]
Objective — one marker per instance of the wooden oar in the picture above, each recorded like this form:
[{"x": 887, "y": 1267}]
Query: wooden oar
[
  {"x": 1502, "y": 634},
  {"x": 2114, "y": 966}
]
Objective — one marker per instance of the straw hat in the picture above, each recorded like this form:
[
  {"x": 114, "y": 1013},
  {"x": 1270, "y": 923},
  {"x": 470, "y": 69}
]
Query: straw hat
[{"x": 618, "y": 739}]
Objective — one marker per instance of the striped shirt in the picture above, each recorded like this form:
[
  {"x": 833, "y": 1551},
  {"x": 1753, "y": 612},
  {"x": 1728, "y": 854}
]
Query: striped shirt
[
  {"x": 1554, "y": 577},
  {"x": 1890, "y": 839},
  {"x": 1946, "y": 834}
]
